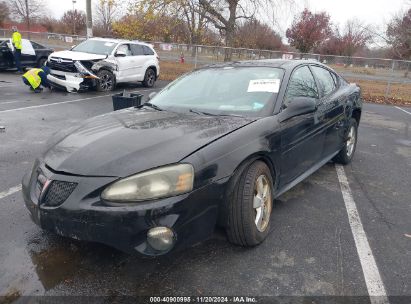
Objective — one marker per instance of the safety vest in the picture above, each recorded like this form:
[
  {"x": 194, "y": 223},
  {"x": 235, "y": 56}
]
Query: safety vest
[
  {"x": 16, "y": 39},
  {"x": 33, "y": 77}
]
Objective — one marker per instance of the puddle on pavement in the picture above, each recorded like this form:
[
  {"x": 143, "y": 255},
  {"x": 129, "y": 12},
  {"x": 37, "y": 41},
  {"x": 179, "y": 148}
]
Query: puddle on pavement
[
  {"x": 10, "y": 297},
  {"x": 55, "y": 265}
]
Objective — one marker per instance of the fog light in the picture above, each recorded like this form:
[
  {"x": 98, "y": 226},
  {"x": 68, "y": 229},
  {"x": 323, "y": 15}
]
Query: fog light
[{"x": 160, "y": 238}]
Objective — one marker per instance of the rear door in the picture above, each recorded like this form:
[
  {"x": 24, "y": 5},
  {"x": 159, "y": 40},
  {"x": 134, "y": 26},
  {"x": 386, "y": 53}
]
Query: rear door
[
  {"x": 41, "y": 52},
  {"x": 139, "y": 61},
  {"x": 302, "y": 137},
  {"x": 330, "y": 108}
]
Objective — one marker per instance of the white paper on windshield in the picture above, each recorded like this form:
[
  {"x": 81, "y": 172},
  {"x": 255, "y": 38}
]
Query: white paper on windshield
[
  {"x": 108, "y": 44},
  {"x": 264, "y": 85},
  {"x": 27, "y": 48}
]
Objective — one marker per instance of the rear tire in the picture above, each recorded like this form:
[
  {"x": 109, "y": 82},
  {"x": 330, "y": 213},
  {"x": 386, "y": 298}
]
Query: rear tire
[
  {"x": 346, "y": 154},
  {"x": 250, "y": 206},
  {"x": 149, "y": 78},
  {"x": 106, "y": 81}
]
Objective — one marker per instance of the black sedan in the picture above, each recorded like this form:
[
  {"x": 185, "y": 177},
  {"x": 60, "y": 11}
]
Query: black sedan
[
  {"x": 214, "y": 147},
  {"x": 33, "y": 55}
]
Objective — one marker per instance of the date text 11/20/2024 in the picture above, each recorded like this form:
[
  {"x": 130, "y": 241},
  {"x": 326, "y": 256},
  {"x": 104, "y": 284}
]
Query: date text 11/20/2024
[{"x": 203, "y": 299}]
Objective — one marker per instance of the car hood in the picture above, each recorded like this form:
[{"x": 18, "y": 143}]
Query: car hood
[
  {"x": 133, "y": 140},
  {"x": 77, "y": 55}
]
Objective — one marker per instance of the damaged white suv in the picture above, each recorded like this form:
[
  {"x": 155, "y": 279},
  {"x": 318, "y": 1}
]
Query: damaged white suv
[{"x": 102, "y": 63}]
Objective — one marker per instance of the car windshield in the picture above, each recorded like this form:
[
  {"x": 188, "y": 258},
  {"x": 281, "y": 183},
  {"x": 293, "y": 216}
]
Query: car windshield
[
  {"x": 246, "y": 91},
  {"x": 99, "y": 47}
]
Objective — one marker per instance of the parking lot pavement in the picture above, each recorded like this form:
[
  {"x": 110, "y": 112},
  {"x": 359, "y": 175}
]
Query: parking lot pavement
[{"x": 310, "y": 250}]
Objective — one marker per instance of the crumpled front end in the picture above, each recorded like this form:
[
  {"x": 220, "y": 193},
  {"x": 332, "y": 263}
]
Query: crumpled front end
[{"x": 69, "y": 75}]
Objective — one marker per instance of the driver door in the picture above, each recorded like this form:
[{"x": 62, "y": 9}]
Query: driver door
[
  {"x": 302, "y": 137},
  {"x": 125, "y": 63}
]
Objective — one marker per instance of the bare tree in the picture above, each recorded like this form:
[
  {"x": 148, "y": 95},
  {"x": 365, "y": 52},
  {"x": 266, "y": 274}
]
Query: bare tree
[
  {"x": 354, "y": 37},
  {"x": 106, "y": 12},
  {"x": 224, "y": 14},
  {"x": 26, "y": 10},
  {"x": 4, "y": 12},
  {"x": 74, "y": 21},
  {"x": 399, "y": 35},
  {"x": 195, "y": 17}
]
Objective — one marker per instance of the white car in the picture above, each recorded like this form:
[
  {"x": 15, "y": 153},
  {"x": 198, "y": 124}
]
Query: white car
[{"x": 103, "y": 63}]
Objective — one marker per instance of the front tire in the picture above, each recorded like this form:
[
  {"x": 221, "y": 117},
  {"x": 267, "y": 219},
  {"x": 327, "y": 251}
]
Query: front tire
[
  {"x": 346, "y": 154},
  {"x": 106, "y": 81},
  {"x": 149, "y": 78},
  {"x": 250, "y": 206}
]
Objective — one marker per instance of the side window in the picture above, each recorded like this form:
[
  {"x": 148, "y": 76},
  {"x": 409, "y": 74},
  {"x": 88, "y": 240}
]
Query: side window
[
  {"x": 147, "y": 50},
  {"x": 301, "y": 84},
  {"x": 124, "y": 48},
  {"x": 325, "y": 80},
  {"x": 335, "y": 77},
  {"x": 137, "y": 50}
]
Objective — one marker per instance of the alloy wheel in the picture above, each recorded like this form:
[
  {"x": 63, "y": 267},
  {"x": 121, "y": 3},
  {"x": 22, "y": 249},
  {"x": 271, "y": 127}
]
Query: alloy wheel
[
  {"x": 150, "y": 78},
  {"x": 262, "y": 203},
  {"x": 106, "y": 82},
  {"x": 351, "y": 141}
]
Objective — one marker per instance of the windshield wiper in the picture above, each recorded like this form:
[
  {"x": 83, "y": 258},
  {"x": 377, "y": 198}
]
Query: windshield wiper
[
  {"x": 212, "y": 114},
  {"x": 153, "y": 106}
]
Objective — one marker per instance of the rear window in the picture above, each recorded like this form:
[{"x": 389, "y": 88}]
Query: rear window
[
  {"x": 147, "y": 50},
  {"x": 137, "y": 50},
  {"x": 326, "y": 81}
]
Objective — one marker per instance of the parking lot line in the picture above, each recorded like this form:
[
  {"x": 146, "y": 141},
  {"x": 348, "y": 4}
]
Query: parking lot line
[
  {"x": 10, "y": 191},
  {"x": 8, "y": 85},
  {"x": 375, "y": 286},
  {"x": 13, "y": 101},
  {"x": 64, "y": 102},
  {"x": 409, "y": 113}
]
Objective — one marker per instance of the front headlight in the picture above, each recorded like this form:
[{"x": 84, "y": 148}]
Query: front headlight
[
  {"x": 157, "y": 183},
  {"x": 83, "y": 70}
]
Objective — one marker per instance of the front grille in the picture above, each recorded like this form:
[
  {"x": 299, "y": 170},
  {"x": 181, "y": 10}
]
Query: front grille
[
  {"x": 60, "y": 64},
  {"x": 58, "y": 192}
]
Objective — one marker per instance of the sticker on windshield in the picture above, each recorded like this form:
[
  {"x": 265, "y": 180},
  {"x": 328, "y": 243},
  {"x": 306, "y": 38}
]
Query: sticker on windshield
[
  {"x": 108, "y": 44},
  {"x": 264, "y": 85}
]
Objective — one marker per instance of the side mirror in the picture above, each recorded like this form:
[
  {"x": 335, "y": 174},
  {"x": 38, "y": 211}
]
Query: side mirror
[
  {"x": 72, "y": 47},
  {"x": 120, "y": 54},
  {"x": 298, "y": 106},
  {"x": 151, "y": 95}
]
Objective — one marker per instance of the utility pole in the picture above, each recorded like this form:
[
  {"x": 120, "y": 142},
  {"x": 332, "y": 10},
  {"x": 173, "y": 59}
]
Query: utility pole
[
  {"x": 89, "y": 19},
  {"x": 28, "y": 17},
  {"x": 74, "y": 21}
]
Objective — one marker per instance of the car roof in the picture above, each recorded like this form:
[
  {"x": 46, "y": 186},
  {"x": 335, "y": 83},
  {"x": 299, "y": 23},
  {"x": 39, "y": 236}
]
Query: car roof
[
  {"x": 275, "y": 63},
  {"x": 113, "y": 40}
]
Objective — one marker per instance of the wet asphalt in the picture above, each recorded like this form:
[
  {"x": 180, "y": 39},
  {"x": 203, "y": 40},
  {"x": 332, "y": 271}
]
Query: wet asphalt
[{"x": 310, "y": 250}]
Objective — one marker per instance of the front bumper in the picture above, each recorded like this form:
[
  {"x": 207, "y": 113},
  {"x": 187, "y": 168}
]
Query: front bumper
[
  {"x": 70, "y": 83},
  {"x": 84, "y": 216}
]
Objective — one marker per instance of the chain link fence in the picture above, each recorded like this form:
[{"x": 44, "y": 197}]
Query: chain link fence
[{"x": 381, "y": 80}]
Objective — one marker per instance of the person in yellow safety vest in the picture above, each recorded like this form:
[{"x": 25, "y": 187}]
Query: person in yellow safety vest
[
  {"x": 36, "y": 78},
  {"x": 16, "y": 41}
]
